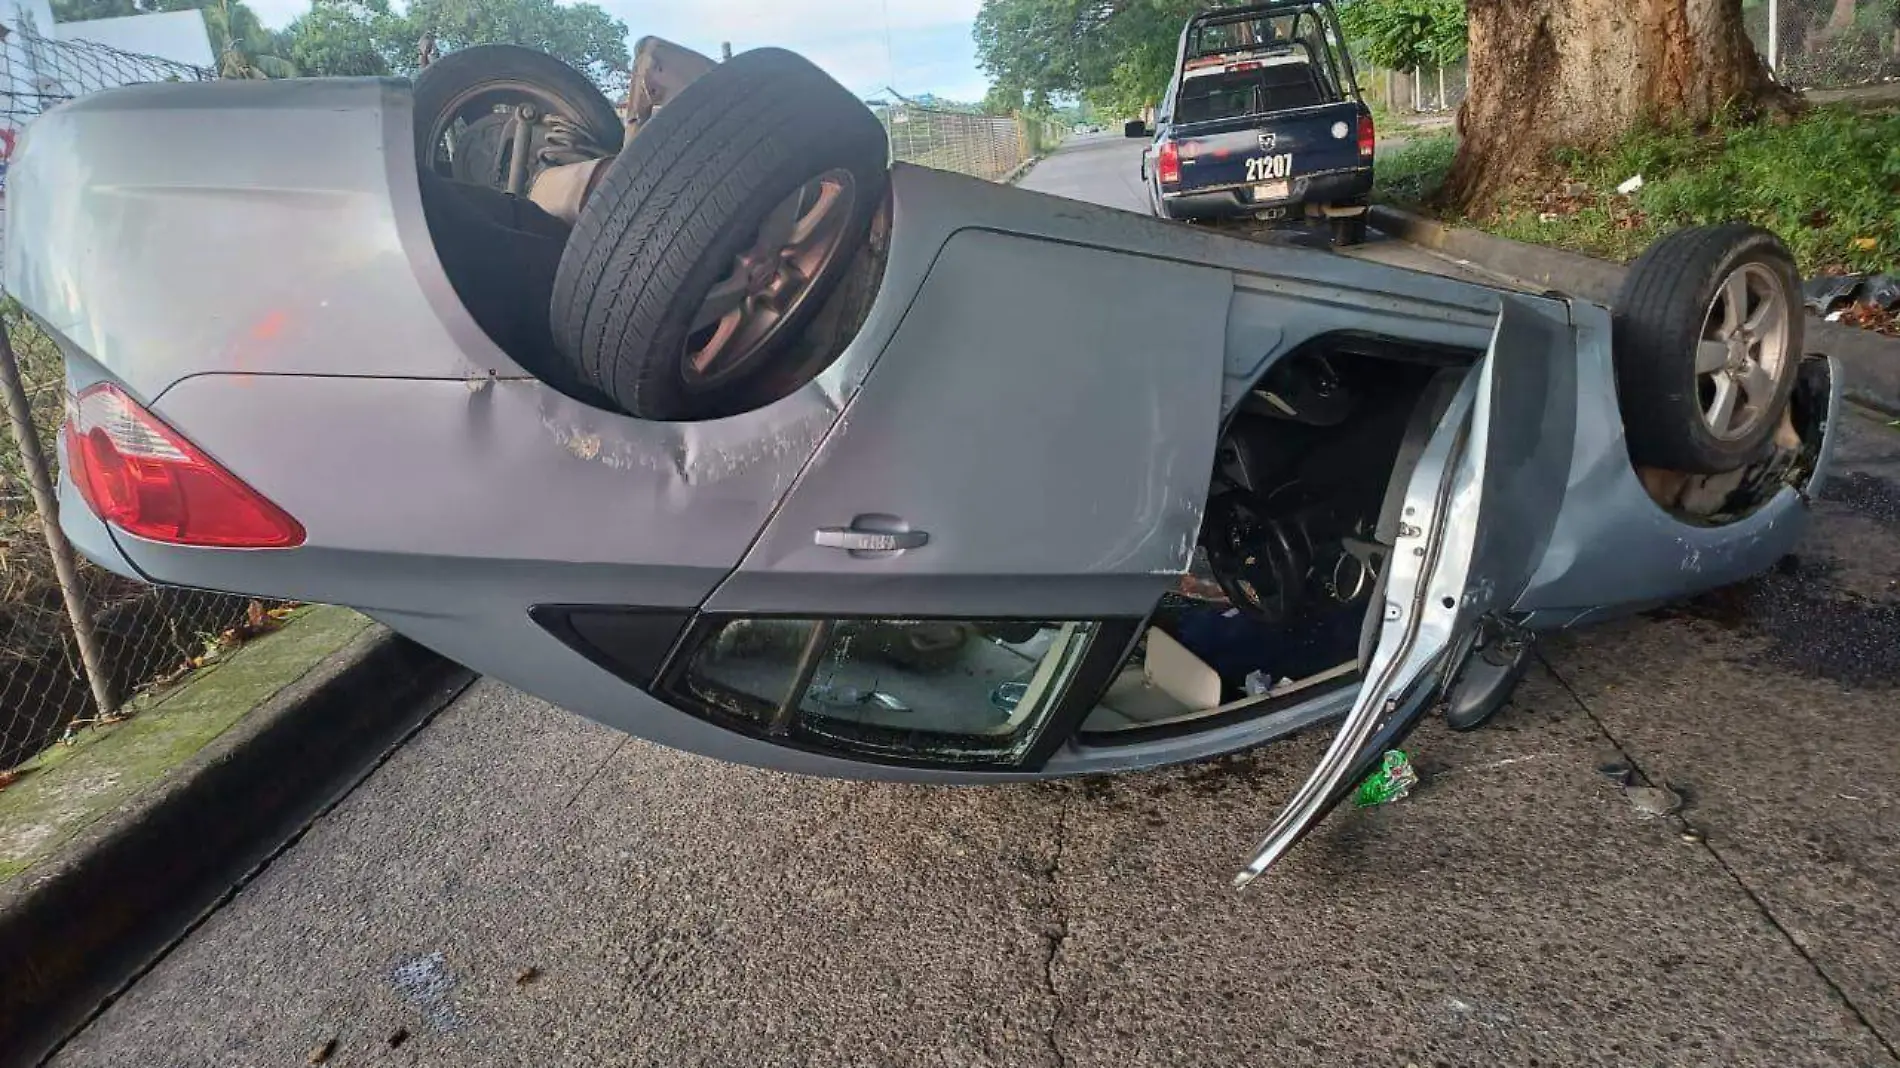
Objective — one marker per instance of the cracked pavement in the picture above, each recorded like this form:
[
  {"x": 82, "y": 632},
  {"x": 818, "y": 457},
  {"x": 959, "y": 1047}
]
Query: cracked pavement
[{"x": 520, "y": 886}]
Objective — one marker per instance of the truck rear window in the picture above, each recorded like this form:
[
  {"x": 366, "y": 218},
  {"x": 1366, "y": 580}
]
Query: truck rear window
[{"x": 1238, "y": 94}]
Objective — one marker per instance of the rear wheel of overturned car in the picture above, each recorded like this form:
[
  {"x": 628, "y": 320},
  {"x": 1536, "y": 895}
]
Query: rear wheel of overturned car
[
  {"x": 713, "y": 240},
  {"x": 1707, "y": 339},
  {"x": 470, "y": 104}
]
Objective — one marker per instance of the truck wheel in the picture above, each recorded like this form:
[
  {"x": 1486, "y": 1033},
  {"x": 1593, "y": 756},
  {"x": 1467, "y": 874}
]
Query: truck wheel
[
  {"x": 717, "y": 235},
  {"x": 1349, "y": 230},
  {"x": 465, "y": 103},
  {"x": 1707, "y": 336}
]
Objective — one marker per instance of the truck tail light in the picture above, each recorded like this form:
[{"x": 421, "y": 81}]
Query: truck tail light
[
  {"x": 139, "y": 475},
  {"x": 1168, "y": 164},
  {"x": 1368, "y": 137}
]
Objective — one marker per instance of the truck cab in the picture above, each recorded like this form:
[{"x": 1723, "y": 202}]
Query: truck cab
[{"x": 1263, "y": 119}]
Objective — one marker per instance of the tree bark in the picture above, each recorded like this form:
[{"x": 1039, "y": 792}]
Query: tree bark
[
  {"x": 1549, "y": 73},
  {"x": 1838, "y": 20}
]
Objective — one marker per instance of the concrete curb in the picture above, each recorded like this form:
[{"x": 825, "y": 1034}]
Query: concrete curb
[
  {"x": 1871, "y": 362},
  {"x": 89, "y": 919},
  {"x": 1021, "y": 169}
]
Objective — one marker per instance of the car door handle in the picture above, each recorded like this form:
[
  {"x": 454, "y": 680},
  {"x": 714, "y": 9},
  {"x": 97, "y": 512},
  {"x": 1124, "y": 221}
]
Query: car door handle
[{"x": 854, "y": 540}]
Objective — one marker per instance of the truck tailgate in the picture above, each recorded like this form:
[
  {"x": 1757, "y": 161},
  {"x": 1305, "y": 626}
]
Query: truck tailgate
[{"x": 1264, "y": 149}]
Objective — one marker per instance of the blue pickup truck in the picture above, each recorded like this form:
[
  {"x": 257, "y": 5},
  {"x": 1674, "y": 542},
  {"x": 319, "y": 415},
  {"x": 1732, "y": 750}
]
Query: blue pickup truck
[{"x": 1262, "y": 120}]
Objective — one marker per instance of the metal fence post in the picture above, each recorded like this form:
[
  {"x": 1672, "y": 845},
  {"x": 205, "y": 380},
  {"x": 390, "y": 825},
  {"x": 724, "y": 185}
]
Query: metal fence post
[
  {"x": 46, "y": 503},
  {"x": 1774, "y": 36}
]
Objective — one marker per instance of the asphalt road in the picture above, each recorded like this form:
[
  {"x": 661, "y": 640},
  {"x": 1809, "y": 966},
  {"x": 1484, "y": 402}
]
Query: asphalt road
[
  {"x": 1107, "y": 170},
  {"x": 518, "y": 886}
]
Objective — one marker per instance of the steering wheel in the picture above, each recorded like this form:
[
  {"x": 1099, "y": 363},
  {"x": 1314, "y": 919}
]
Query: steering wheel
[{"x": 1261, "y": 564}]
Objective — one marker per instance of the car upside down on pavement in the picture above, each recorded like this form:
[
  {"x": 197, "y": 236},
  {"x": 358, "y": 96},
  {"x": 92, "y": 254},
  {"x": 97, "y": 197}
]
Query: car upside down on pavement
[{"x": 711, "y": 425}]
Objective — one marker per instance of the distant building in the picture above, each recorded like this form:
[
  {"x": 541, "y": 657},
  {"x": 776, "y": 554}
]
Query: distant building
[{"x": 179, "y": 36}]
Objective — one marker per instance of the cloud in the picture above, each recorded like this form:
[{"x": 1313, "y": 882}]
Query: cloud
[{"x": 920, "y": 46}]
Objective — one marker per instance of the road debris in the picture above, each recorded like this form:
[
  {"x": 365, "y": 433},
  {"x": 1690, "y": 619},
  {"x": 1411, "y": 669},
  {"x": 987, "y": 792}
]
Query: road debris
[
  {"x": 527, "y": 975},
  {"x": 1393, "y": 781},
  {"x": 397, "y": 1037},
  {"x": 321, "y": 1051},
  {"x": 1651, "y": 802},
  {"x": 1617, "y": 771},
  {"x": 1630, "y": 185}
]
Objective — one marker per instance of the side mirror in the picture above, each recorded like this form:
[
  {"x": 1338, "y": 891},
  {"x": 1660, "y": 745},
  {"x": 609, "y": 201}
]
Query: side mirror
[{"x": 1135, "y": 128}]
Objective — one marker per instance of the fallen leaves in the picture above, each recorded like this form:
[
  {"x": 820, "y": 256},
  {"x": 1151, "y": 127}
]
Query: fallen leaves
[
  {"x": 1871, "y": 317},
  {"x": 258, "y": 621},
  {"x": 1573, "y": 198}
]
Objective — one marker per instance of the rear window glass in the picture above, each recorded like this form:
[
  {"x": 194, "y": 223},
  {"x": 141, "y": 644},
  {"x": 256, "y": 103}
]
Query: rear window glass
[{"x": 1237, "y": 94}]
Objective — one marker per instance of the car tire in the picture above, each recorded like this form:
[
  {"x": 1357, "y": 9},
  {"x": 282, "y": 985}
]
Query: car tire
[
  {"x": 468, "y": 84},
  {"x": 1707, "y": 338},
  {"x": 1349, "y": 230},
  {"x": 764, "y": 145}
]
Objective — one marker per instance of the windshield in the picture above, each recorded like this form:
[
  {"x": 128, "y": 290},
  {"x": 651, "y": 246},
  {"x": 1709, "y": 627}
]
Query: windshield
[{"x": 1252, "y": 90}]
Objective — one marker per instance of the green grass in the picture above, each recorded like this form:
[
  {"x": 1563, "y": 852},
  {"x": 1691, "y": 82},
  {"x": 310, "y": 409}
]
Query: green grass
[
  {"x": 1828, "y": 183},
  {"x": 1409, "y": 173}
]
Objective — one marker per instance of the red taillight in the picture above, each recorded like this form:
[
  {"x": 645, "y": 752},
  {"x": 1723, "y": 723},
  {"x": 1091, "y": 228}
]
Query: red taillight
[
  {"x": 1368, "y": 138},
  {"x": 139, "y": 475},
  {"x": 1168, "y": 164}
]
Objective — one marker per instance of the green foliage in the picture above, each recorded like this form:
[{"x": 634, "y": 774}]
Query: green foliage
[
  {"x": 582, "y": 35},
  {"x": 76, "y": 10},
  {"x": 370, "y": 37},
  {"x": 1002, "y": 101},
  {"x": 1405, "y": 35},
  {"x": 1116, "y": 55},
  {"x": 1411, "y": 172},
  {"x": 350, "y": 37},
  {"x": 1828, "y": 183}
]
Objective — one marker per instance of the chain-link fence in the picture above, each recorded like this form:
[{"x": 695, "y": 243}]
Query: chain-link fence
[
  {"x": 1827, "y": 44},
  {"x": 1427, "y": 91},
  {"x": 992, "y": 147},
  {"x": 142, "y": 635}
]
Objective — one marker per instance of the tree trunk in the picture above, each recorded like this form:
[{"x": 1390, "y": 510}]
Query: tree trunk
[
  {"x": 1839, "y": 20},
  {"x": 1545, "y": 73}
]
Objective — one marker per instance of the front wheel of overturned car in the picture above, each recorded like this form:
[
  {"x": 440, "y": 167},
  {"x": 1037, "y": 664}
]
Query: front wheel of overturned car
[
  {"x": 714, "y": 239},
  {"x": 474, "y": 105},
  {"x": 1707, "y": 338}
]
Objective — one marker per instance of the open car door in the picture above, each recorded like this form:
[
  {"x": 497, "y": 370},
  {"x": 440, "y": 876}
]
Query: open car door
[{"x": 1478, "y": 512}]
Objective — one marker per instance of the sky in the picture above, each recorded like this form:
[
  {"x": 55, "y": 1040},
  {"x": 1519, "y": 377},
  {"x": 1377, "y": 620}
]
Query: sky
[{"x": 928, "y": 48}]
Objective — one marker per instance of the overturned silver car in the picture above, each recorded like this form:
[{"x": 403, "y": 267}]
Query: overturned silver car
[{"x": 714, "y": 427}]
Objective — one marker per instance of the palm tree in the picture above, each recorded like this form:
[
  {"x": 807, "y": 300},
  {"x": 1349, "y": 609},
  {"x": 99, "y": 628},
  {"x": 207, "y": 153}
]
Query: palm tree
[{"x": 245, "y": 48}]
